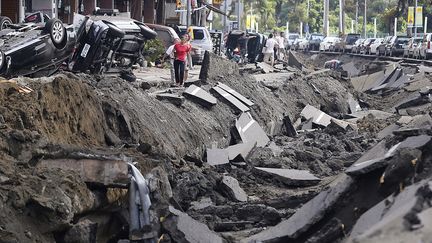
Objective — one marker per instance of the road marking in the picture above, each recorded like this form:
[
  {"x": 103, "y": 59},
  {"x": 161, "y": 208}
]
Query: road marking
[
  {"x": 320, "y": 117},
  {"x": 195, "y": 91},
  {"x": 225, "y": 95},
  {"x": 248, "y": 125}
]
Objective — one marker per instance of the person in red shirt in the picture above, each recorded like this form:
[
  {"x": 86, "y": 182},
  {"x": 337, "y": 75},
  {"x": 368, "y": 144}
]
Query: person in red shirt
[{"x": 181, "y": 50}]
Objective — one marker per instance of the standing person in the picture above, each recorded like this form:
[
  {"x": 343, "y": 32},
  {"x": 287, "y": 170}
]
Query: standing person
[
  {"x": 188, "y": 63},
  {"x": 181, "y": 51},
  {"x": 281, "y": 46},
  {"x": 268, "y": 50},
  {"x": 171, "y": 55}
]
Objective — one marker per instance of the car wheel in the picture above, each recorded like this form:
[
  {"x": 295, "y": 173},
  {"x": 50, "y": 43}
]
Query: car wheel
[
  {"x": 113, "y": 30},
  {"x": 5, "y": 22},
  {"x": 57, "y": 32}
]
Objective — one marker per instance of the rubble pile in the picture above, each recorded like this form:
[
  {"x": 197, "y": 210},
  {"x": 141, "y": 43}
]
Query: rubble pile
[{"x": 292, "y": 155}]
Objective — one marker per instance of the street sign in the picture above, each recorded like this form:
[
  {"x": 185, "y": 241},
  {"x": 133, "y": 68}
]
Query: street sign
[
  {"x": 419, "y": 17},
  {"x": 410, "y": 20}
]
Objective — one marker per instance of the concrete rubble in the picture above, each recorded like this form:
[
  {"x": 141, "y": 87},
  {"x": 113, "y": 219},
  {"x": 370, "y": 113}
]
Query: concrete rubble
[{"x": 294, "y": 154}]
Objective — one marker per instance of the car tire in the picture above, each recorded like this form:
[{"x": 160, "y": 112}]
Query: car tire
[
  {"x": 113, "y": 30},
  {"x": 57, "y": 32},
  {"x": 4, "y": 22}
]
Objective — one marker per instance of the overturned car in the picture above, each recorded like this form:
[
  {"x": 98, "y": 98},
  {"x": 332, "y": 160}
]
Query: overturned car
[
  {"x": 30, "y": 48},
  {"x": 94, "y": 45},
  {"x": 255, "y": 43}
]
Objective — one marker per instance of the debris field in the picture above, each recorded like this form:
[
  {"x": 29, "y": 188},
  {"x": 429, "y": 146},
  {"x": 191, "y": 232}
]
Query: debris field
[{"x": 291, "y": 153}]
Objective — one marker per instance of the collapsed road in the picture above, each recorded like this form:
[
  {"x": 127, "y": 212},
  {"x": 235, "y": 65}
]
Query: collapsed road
[{"x": 292, "y": 153}]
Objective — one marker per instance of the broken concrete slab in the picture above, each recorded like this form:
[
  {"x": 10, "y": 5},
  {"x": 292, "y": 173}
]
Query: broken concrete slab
[
  {"x": 391, "y": 212},
  {"x": 289, "y": 176},
  {"x": 217, "y": 156},
  {"x": 387, "y": 131},
  {"x": 373, "y": 159},
  {"x": 306, "y": 216},
  {"x": 414, "y": 100},
  {"x": 213, "y": 65},
  {"x": 415, "y": 142},
  {"x": 265, "y": 68},
  {"x": 110, "y": 173},
  {"x": 183, "y": 228},
  {"x": 232, "y": 188},
  {"x": 240, "y": 150},
  {"x": 250, "y": 131},
  {"x": 200, "y": 96},
  {"x": 174, "y": 99},
  {"x": 237, "y": 104},
  {"x": 289, "y": 127},
  {"x": 364, "y": 82},
  {"x": 293, "y": 61},
  {"x": 350, "y": 69},
  {"x": 318, "y": 117},
  {"x": 353, "y": 104},
  {"x": 234, "y": 93}
]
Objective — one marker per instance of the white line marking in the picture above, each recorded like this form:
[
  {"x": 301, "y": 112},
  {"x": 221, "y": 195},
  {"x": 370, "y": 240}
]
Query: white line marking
[
  {"x": 195, "y": 91},
  {"x": 248, "y": 125},
  {"x": 320, "y": 117}
]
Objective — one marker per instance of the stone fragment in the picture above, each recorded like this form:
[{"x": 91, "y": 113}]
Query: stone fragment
[
  {"x": 234, "y": 102},
  {"x": 200, "y": 96},
  {"x": 250, "y": 131},
  {"x": 217, "y": 156},
  {"x": 234, "y": 93},
  {"x": 172, "y": 98},
  {"x": 183, "y": 228},
  {"x": 232, "y": 188},
  {"x": 84, "y": 231},
  {"x": 241, "y": 150}
]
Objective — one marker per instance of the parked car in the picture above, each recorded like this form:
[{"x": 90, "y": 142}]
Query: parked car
[
  {"x": 410, "y": 46},
  {"x": 300, "y": 44},
  {"x": 31, "y": 49},
  {"x": 365, "y": 46},
  {"x": 374, "y": 45},
  {"x": 356, "y": 46},
  {"x": 348, "y": 42},
  {"x": 165, "y": 34},
  {"x": 314, "y": 41},
  {"x": 336, "y": 46},
  {"x": 200, "y": 39},
  {"x": 425, "y": 48},
  {"x": 396, "y": 45},
  {"x": 381, "y": 49},
  {"x": 291, "y": 39},
  {"x": 326, "y": 43}
]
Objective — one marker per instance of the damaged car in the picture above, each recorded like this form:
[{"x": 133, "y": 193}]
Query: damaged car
[
  {"x": 255, "y": 43},
  {"x": 28, "y": 49}
]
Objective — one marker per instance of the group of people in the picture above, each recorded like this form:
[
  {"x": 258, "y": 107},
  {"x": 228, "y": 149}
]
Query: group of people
[
  {"x": 274, "y": 48},
  {"x": 180, "y": 59}
]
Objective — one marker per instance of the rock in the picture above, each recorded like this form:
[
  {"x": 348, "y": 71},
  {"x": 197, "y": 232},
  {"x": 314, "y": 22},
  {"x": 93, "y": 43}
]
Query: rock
[
  {"x": 330, "y": 232},
  {"x": 232, "y": 188},
  {"x": 145, "y": 85},
  {"x": 293, "y": 61},
  {"x": 404, "y": 120},
  {"x": 112, "y": 139},
  {"x": 18, "y": 135},
  {"x": 258, "y": 213},
  {"x": 144, "y": 148},
  {"x": 82, "y": 232},
  {"x": 182, "y": 228},
  {"x": 306, "y": 216},
  {"x": 4, "y": 179},
  {"x": 289, "y": 128},
  {"x": 290, "y": 177},
  {"x": 213, "y": 66}
]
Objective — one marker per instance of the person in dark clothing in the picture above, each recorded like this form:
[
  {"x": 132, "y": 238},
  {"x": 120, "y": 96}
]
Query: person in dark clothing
[{"x": 242, "y": 44}]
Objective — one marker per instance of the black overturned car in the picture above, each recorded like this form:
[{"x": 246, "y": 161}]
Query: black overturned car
[
  {"x": 40, "y": 46},
  {"x": 29, "y": 49},
  {"x": 255, "y": 43}
]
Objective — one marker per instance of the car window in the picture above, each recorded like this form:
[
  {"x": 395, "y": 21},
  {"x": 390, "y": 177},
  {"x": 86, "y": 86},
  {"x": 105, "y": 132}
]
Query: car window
[
  {"x": 198, "y": 34},
  {"x": 165, "y": 36}
]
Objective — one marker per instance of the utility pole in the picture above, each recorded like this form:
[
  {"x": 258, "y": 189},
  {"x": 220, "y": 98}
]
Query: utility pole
[
  {"x": 356, "y": 17},
  {"x": 326, "y": 15},
  {"x": 375, "y": 28},
  {"x": 225, "y": 17},
  {"x": 364, "y": 20},
  {"x": 415, "y": 19},
  {"x": 188, "y": 13},
  {"x": 238, "y": 14},
  {"x": 342, "y": 17},
  {"x": 307, "y": 23}
]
